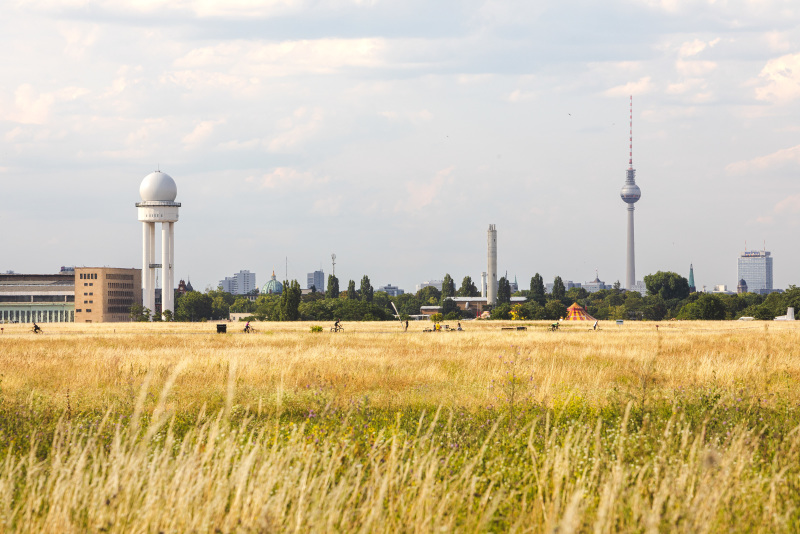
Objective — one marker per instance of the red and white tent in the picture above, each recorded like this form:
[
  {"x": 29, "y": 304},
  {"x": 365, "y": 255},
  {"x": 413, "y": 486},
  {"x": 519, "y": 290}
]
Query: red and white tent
[{"x": 576, "y": 313}]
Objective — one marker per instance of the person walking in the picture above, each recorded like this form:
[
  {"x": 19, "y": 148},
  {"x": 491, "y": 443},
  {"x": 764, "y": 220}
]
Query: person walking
[{"x": 406, "y": 330}]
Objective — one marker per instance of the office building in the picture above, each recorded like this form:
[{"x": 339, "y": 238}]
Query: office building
[
  {"x": 392, "y": 291},
  {"x": 241, "y": 283},
  {"x": 106, "y": 294},
  {"x": 317, "y": 280},
  {"x": 755, "y": 268},
  {"x": 434, "y": 283}
]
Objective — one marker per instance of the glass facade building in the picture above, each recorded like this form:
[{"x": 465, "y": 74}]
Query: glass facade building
[{"x": 755, "y": 268}]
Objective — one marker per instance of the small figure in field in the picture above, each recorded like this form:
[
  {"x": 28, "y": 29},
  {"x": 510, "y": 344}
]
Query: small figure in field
[
  {"x": 336, "y": 326},
  {"x": 459, "y": 327},
  {"x": 406, "y": 330},
  {"x": 656, "y": 328},
  {"x": 247, "y": 328},
  {"x": 595, "y": 325},
  {"x": 36, "y": 328}
]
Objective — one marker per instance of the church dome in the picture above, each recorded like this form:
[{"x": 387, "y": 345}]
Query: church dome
[{"x": 272, "y": 287}]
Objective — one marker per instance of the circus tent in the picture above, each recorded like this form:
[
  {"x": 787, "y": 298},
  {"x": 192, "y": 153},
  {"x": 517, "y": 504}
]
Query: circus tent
[{"x": 576, "y": 313}]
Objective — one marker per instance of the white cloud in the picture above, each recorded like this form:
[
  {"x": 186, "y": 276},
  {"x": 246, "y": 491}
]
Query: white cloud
[
  {"x": 790, "y": 204},
  {"x": 33, "y": 107},
  {"x": 414, "y": 117},
  {"x": 264, "y": 59},
  {"x": 202, "y": 131},
  {"x": 762, "y": 163},
  {"x": 694, "y": 68},
  {"x": 287, "y": 178},
  {"x": 421, "y": 194},
  {"x": 78, "y": 38},
  {"x": 782, "y": 76},
  {"x": 297, "y": 129},
  {"x": 518, "y": 95},
  {"x": 639, "y": 87}
]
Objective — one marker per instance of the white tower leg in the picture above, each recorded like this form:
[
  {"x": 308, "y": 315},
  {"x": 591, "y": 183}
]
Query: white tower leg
[
  {"x": 172, "y": 267},
  {"x": 164, "y": 266},
  {"x": 151, "y": 271},
  {"x": 146, "y": 260}
]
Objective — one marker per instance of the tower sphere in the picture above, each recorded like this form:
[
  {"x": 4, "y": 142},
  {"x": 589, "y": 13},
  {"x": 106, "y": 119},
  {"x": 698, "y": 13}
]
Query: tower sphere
[
  {"x": 158, "y": 186},
  {"x": 630, "y": 193}
]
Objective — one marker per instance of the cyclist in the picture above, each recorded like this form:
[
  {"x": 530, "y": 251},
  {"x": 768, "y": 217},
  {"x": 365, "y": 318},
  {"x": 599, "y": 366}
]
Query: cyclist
[
  {"x": 36, "y": 328},
  {"x": 336, "y": 326},
  {"x": 247, "y": 328}
]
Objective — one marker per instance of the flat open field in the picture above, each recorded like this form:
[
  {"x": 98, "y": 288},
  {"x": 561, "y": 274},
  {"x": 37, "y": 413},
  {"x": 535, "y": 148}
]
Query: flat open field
[{"x": 689, "y": 427}]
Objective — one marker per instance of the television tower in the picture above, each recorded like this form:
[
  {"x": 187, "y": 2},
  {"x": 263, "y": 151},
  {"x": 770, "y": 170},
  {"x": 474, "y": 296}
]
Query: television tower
[{"x": 630, "y": 195}]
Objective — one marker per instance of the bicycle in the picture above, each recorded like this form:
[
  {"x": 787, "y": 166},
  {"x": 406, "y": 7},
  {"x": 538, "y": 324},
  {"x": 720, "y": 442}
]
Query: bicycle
[
  {"x": 337, "y": 329},
  {"x": 249, "y": 330}
]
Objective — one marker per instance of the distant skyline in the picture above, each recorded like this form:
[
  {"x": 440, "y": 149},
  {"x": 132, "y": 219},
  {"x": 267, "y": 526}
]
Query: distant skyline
[{"x": 394, "y": 133}]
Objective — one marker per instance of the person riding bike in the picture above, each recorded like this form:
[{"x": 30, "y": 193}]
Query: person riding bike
[
  {"x": 336, "y": 326},
  {"x": 36, "y": 328},
  {"x": 247, "y": 328}
]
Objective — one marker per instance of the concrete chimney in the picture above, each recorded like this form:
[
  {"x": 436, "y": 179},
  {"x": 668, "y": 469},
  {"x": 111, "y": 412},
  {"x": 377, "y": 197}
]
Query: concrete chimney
[{"x": 491, "y": 290}]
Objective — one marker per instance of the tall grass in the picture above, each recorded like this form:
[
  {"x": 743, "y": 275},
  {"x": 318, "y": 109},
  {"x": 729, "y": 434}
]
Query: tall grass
[{"x": 572, "y": 431}]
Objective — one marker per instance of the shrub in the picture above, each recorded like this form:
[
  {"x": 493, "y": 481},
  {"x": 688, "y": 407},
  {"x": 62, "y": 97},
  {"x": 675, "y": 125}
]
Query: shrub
[{"x": 316, "y": 328}]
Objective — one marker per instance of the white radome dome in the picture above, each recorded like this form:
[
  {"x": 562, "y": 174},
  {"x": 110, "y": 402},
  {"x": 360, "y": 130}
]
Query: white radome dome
[{"x": 158, "y": 186}]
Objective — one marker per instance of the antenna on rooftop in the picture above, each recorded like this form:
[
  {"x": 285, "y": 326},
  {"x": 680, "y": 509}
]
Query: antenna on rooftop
[{"x": 333, "y": 264}]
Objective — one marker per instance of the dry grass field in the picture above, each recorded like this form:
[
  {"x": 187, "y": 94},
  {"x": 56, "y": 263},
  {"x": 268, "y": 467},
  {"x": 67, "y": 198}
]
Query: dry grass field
[{"x": 688, "y": 427}]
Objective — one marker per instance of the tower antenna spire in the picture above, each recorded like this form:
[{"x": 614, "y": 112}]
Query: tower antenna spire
[{"x": 630, "y": 138}]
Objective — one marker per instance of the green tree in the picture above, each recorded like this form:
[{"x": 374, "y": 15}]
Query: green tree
[
  {"x": 503, "y": 291},
  {"x": 407, "y": 304},
  {"x": 467, "y": 288},
  {"x": 333, "y": 288},
  {"x": 554, "y": 310},
  {"x": 242, "y": 305},
  {"x": 220, "y": 303},
  {"x": 448, "y": 287},
  {"x": 501, "y": 312},
  {"x": 290, "y": 301},
  {"x": 558, "y": 289},
  {"x": 194, "y": 306},
  {"x": 366, "y": 289},
  {"x": 351, "y": 291},
  {"x": 576, "y": 294},
  {"x": 667, "y": 285},
  {"x": 139, "y": 313},
  {"x": 268, "y": 307},
  {"x": 450, "y": 309},
  {"x": 537, "y": 292},
  {"x": 429, "y": 296}
]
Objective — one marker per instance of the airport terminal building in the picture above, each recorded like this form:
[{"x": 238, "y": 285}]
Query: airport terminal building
[{"x": 85, "y": 295}]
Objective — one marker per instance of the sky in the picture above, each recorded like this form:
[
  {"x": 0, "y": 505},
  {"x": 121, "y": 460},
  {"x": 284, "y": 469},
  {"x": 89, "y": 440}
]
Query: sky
[{"x": 393, "y": 133}]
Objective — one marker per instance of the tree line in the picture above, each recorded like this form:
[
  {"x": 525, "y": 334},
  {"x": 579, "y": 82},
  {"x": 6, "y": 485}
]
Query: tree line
[{"x": 668, "y": 296}]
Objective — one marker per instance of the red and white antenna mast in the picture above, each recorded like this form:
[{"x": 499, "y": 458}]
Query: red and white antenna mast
[{"x": 630, "y": 138}]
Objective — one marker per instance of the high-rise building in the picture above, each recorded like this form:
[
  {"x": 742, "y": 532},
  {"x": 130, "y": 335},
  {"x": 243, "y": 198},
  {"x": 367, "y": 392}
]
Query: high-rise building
[
  {"x": 491, "y": 290},
  {"x": 435, "y": 283},
  {"x": 392, "y": 291},
  {"x": 755, "y": 268},
  {"x": 692, "y": 287},
  {"x": 630, "y": 195},
  {"x": 106, "y": 294},
  {"x": 316, "y": 279},
  {"x": 158, "y": 192},
  {"x": 241, "y": 283}
]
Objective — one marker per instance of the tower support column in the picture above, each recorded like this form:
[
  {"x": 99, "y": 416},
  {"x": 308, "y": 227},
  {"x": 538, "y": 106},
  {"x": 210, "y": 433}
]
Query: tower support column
[
  {"x": 147, "y": 288},
  {"x": 630, "y": 272},
  {"x": 164, "y": 267}
]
